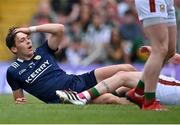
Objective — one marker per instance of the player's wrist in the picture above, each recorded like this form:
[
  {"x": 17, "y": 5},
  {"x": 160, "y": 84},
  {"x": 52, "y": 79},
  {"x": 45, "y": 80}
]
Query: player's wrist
[{"x": 32, "y": 29}]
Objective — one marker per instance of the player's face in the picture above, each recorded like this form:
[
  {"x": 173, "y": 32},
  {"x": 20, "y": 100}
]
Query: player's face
[{"x": 23, "y": 46}]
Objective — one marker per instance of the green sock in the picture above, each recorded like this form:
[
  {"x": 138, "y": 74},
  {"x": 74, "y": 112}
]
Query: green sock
[
  {"x": 140, "y": 88},
  {"x": 93, "y": 93},
  {"x": 140, "y": 85},
  {"x": 150, "y": 95}
]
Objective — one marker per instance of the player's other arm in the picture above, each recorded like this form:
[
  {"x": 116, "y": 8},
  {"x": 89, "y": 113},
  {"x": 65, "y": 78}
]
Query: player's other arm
[
  {"x": 19, "y": 96},
  {"x": 56, "y": 32},
  {"x": 17, "y": 91}
]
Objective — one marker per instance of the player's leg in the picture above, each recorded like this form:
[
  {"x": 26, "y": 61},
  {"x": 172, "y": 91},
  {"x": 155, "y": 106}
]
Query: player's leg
[
  {"x": 121, "y": 92},
  {"x": 153, "y": 13},
  {"x": 172, "y": 43},
  {"x": 171, "y": 27},
  {"x": 127, "y": 79},
  {"x": 108, "y": 71},
  {"x": 158, "y": 35},
  {"x": 109, "y": 98},
  {"x": 172, "y": 30}
]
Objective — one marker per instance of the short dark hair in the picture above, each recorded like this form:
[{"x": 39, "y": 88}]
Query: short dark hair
[{"x": 10, "y": 38}]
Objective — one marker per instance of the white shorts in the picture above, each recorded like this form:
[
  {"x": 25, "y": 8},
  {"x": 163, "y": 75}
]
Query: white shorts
[
  {"x": 162, "y": 11},
  {"x": 168, "y": 91}
]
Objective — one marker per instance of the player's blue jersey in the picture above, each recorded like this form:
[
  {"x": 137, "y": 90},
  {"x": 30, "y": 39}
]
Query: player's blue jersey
[{"x": 40, "y": 76}]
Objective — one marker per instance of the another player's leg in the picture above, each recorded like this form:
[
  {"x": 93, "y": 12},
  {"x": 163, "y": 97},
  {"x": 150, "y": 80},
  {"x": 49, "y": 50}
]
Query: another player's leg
[
  {"x": 158, "y": 35},
  {"x": 172, "y": 31}
]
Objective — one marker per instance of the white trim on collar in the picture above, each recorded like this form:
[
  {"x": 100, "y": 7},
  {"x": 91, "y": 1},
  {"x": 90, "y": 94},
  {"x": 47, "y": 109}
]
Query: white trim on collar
[{"x": 20, "y": 60}]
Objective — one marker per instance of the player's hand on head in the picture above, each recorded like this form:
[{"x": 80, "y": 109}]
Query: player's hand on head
[
  {"x": 20, "y": 100},
  {"x": 24, "y": 30}
]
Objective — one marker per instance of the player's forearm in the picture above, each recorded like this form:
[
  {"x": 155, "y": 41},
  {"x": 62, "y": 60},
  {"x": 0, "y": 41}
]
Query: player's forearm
[{"x": 48, "y": 28}]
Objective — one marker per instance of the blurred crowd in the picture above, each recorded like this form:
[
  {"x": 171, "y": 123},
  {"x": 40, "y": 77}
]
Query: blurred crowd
[{"x": 96, "y": 31}]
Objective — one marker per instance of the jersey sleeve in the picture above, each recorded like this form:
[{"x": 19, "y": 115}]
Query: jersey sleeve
[
  {"x": 45, "y": 47},
  {"x": 12, "y": 81}
]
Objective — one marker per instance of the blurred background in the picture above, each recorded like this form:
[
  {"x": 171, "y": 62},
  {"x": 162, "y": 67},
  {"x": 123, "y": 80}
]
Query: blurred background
[{"x": 97, "y": 32}]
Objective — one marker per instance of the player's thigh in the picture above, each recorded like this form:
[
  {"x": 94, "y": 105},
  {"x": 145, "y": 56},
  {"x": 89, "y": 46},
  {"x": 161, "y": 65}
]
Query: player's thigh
[
  {"x": 108, "y": 71},
  {"x": 158, "y": 36}
]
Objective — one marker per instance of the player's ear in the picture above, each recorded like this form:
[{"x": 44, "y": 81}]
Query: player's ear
[{"x": 14, "y": 49}]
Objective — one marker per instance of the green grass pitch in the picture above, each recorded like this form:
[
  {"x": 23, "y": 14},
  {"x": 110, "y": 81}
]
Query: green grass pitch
[{"x": 36, "y": 111}]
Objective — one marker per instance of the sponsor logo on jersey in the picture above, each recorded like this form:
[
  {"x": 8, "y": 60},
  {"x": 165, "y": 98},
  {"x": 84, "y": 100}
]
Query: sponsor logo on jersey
[
  {"x": 43, "y": 67},
  {"x": 22, "y": 71}
]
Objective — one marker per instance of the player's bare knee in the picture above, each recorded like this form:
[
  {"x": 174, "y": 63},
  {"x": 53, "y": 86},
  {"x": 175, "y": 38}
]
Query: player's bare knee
[
  {"x": 163, "y": 51},
  {"x": 122, "y": 76},
  {"x": 160, "y": 50}
]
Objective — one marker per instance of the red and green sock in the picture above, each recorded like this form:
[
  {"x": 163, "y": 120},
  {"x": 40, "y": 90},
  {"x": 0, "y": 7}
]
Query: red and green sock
[
  {"x": 93, "y": 93},
  {"x": 150, "y": 97},
  {"x": 140, "y": 88},
  {"x": 89, "y": 94}
]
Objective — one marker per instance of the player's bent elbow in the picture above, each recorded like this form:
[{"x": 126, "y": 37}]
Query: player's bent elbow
[{"x": 60, "y": 28}]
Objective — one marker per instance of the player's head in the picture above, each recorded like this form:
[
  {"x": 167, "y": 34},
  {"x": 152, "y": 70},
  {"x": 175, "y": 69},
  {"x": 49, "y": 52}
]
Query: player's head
[{"x": 19, "y": 43}]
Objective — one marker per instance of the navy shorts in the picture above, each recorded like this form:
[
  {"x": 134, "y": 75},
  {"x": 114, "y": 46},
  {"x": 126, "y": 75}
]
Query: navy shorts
[{"x": 82, "y": 82}]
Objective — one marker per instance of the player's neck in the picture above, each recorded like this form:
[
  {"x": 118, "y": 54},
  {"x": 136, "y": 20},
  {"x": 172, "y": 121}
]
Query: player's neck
[{"x": 29, "y": 57}]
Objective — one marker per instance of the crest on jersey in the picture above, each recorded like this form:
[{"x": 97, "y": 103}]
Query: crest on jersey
[
  {"x": 38, "y": 57},
  {"x": 162, "y": 8}
]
